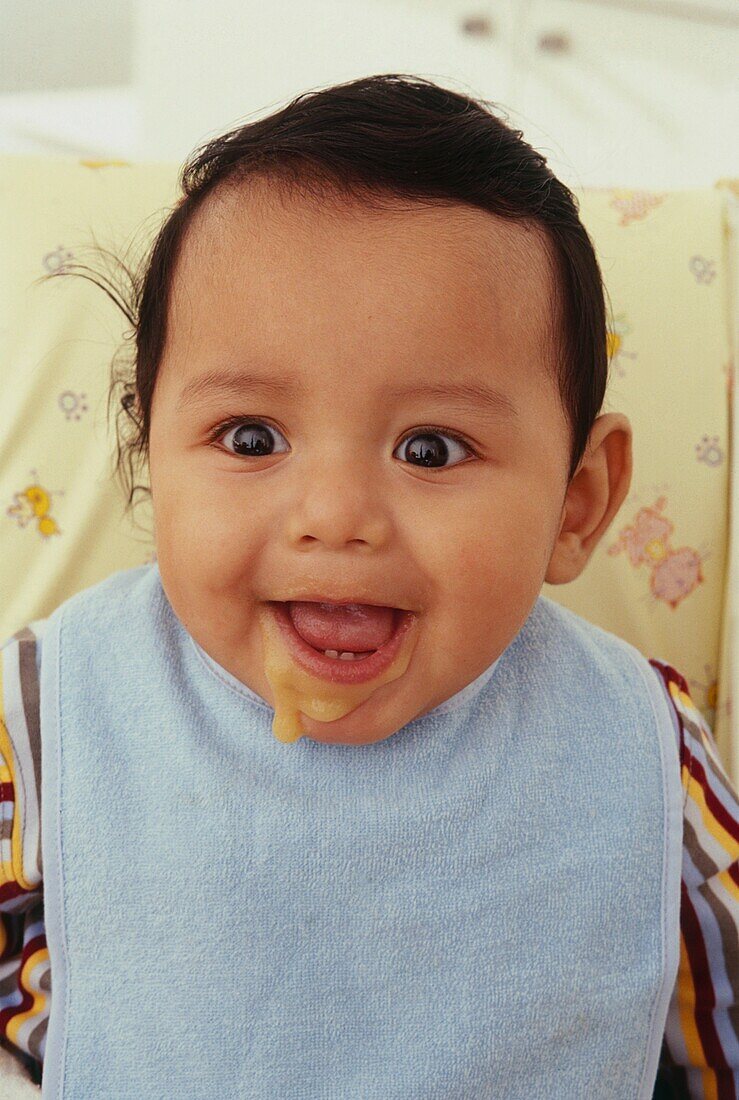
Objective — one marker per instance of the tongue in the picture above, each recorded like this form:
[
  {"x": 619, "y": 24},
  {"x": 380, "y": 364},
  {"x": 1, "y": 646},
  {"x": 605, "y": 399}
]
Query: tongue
[{"x": 353, "y": 627}]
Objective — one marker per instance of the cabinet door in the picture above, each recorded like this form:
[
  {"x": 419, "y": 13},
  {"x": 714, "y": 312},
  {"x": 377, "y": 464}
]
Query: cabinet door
[{"x": 616, "y": 96}]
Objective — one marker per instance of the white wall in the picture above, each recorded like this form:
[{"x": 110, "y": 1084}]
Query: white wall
[{"x": 69, "y": 44}]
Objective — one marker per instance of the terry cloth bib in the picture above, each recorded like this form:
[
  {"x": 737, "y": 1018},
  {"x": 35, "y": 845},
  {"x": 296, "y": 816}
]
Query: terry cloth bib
[{"x": 485, "y": 904}]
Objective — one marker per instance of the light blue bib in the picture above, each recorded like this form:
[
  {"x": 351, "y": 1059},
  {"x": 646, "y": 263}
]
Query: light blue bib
[{"x": 484, "y": 905}]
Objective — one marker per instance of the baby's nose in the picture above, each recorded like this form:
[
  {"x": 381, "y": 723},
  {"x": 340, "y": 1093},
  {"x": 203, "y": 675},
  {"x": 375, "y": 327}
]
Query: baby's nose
[{"x": 342, "y": 510}]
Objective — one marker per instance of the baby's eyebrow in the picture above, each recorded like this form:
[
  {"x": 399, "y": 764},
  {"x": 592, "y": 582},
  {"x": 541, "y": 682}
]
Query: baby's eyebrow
[
  {"x": 480, "y": 396},
  {"x": 226, "y": 383},
  {"x": 474, "y": 394}
]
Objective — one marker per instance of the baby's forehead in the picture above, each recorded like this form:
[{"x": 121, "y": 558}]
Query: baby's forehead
[
  {"x": 463, "y": 274},
  {"x": 236, "y": 216}
]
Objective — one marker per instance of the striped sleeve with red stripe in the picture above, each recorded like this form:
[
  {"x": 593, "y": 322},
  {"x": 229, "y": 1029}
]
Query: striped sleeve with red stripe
[
  {"x": 700, "y": 1055},
  {"x": 25, "y": 971}
]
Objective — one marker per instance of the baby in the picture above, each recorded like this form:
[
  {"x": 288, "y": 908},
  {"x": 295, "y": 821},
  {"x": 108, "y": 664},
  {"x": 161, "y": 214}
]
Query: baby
[{"x": 334, "y": 802}]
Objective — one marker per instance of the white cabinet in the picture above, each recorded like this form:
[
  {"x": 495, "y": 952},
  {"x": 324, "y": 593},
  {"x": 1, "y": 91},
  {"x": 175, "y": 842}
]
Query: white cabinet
[
  {"x": 630, "y": 97},
  {"x": 635, "y": 98},
  {"x": 231, "y": 60}
]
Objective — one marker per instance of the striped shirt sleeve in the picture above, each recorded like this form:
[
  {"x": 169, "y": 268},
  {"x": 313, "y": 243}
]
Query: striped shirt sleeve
[
  {"x": 25, "y": 970},
  {"x": 700, "y": 1052}
]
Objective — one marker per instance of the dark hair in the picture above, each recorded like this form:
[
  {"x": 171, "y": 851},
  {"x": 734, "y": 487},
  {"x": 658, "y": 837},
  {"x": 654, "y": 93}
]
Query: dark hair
[{"x": 380, "y": 138}]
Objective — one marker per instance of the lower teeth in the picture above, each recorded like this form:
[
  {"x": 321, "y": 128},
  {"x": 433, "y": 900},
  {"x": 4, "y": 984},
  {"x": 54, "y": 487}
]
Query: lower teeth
[{"x": 346, "y": 655}]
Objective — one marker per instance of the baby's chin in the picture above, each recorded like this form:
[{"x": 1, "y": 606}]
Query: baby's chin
[
  {"x": 324, "y": 738},
  {"x": 360, "y": 727}
]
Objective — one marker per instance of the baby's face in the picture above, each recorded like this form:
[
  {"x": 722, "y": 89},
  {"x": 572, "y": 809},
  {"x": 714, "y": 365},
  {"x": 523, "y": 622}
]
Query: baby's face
[{"x": 364, "y": 480}]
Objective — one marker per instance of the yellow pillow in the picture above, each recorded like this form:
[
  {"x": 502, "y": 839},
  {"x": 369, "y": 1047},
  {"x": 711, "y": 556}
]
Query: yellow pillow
[{"x": 660, "y": 576}]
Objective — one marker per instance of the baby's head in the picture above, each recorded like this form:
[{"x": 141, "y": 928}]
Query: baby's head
[{"x": 370, "y": 361}]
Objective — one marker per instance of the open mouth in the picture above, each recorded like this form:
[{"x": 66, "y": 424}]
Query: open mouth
[{"x": 347, "y": 670}]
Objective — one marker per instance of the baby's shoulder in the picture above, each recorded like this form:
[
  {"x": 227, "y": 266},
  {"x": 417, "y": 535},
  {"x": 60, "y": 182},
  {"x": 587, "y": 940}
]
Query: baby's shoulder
[
  {"x": 20, "y": 766},
  {"x": 678, "y": 689},
  {"x": 20, "y": 656},
  {"x": 695, "y": 735},
  {"x": 610, "y": 655}
]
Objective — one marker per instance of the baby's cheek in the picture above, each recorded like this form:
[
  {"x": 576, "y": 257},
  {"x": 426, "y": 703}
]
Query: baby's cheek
[
  {"x": 468, "y": 559},
  {"x": 478, "y": 563}
]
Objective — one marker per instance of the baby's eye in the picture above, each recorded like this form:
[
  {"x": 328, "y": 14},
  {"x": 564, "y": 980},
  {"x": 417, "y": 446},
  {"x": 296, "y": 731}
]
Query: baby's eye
[
  {"x": 429, "y": 449},
  {"x": 250, "y": 438}
]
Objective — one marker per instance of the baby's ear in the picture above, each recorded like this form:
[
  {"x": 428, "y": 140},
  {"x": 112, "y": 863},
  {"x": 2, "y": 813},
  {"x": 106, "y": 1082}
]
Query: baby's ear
[{"x": 596, "y": 492}]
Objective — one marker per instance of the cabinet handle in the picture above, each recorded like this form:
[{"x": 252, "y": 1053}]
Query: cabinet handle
[{"x": 554, "y": 42}]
